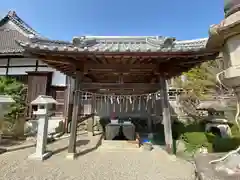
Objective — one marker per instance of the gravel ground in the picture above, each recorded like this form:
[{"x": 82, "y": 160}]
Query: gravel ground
[{"x": 94, "y": 165}]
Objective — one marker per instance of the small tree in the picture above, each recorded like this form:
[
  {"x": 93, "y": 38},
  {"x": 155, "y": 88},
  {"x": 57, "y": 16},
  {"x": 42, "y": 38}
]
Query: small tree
[
  {"x": 200, "y": 83},
  {"x": 15, "y": 89}
]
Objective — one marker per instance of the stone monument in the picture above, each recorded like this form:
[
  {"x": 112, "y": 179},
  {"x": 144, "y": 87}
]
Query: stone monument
[
  {"x": 43, "y": 112},
  {"x": 225, "y": 37}
]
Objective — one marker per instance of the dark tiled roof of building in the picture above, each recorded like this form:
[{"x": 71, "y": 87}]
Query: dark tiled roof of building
[
  {"x": 12, "y": 16},
  {"x": 118, "y": 44},
  {"x": 8, "y": 37},
  {"x": 8, "y": 43}
]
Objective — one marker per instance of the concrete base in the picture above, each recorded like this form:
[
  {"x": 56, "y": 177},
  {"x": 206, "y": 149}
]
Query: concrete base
[
  {"x": 71, "y": 156},
  {"x": 90, "y": 134},
  {"x": 44, "y": 156}
]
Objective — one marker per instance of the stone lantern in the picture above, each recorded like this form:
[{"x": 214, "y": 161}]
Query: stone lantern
[
  {"x": 5, "y": 101},
  {"x": 225, "y": 37},
  {"x": 44, "y": 110}
]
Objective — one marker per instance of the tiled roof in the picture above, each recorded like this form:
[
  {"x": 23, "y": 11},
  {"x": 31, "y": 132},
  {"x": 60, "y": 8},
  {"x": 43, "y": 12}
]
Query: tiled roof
[
  {"x": 8, "y": 37},
  {"x": 118, "y": 44},
  {"x": 8, "y": 43},
  {"x": 12, "y": 16}
]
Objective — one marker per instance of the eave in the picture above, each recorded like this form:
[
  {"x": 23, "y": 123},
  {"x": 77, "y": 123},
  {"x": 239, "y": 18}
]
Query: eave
[{"x": 128, "y": 64}]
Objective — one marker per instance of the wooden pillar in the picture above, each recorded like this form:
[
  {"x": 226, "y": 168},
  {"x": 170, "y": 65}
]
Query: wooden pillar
[
  {"x": 69, "y": 102},
  {"x": 76, "y": 105},
  {"x": 166, "y": 115},
  {"x": 91, "y": 123},
  {"x": 149, "y": 123}
]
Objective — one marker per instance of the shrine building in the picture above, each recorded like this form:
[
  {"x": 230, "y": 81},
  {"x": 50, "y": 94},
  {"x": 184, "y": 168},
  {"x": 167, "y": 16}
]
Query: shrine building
[{"x": 120, "y": 75}]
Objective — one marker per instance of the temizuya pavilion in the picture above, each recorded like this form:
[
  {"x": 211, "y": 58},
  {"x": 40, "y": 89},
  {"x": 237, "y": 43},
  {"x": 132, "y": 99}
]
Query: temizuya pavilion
[{"x": 143, "y": 63}]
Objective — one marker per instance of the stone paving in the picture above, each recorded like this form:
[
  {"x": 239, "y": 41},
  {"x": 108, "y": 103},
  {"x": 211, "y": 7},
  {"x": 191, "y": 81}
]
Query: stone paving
[{"x": 94, "y": 165}]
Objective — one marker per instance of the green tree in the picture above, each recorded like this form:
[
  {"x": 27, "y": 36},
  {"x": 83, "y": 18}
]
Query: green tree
[
  {"x": 15, "y": 89},
  {"x": 199, "y": 83}
]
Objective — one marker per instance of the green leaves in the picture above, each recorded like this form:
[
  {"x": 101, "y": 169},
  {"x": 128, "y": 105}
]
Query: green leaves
[
  {"x": 9, "y": 86},
  {"x": 200, "y": 84},
  {"x": 201, "y": 80}
]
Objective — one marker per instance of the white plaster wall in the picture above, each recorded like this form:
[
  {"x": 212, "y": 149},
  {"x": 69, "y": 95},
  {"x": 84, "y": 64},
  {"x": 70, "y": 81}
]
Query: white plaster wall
[
  {"x": 20, "y": 70},
  {"x": 22, "y": 62},
  {"x": 58, "y": 79},
  {"x": 3, "y": 71},
  {"x": 3, "y": 62},
  {"x": 41, "y": 63}
]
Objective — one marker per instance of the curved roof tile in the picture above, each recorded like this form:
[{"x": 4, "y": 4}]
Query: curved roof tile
[{"x": 119, "y": 44}]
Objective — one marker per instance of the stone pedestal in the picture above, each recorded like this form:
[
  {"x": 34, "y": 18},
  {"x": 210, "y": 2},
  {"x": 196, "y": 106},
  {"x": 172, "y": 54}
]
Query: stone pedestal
[
  {"x": 41, "y": 153},
  {"x": 44, "y": 104}
]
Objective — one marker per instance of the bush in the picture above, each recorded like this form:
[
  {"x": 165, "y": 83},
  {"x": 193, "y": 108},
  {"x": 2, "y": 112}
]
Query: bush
[
  {"x": 178, "y": 129},
  {"x": 194, "y": 137},
  {"x": 225, "y": 144},
  {"x": 15, "y": 89}
]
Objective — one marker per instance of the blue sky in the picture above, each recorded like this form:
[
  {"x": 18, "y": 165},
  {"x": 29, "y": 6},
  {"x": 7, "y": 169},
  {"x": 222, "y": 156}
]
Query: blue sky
[{"x": 63, "y": 19}]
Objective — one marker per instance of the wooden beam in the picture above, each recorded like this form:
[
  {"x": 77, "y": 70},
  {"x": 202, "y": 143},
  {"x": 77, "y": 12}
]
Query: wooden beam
[
  {"x": 119, "y": 67},
  {"x": 119, "y": 86},
  {"x": 127, "y": 92}
]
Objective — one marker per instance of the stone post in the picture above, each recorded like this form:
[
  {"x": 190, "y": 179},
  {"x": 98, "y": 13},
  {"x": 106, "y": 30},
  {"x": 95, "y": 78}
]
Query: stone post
[{"x": 44, "y": 103}]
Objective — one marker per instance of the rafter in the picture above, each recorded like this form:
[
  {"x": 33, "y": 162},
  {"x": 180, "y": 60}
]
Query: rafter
[{"x": 120, "y": 67}]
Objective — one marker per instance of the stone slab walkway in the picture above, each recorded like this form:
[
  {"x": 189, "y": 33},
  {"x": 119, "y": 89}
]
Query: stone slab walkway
[{"x": 93, "y": 165}]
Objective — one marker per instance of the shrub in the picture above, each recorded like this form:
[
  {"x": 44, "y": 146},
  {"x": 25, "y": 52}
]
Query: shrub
[
  {"x": 15, "y": 89},
  {"x": 178, "y": 129},
  {"x": 225, "y": 144},
  {"x": 195, "y": 138},
  {"x": 235, "y": 131}
]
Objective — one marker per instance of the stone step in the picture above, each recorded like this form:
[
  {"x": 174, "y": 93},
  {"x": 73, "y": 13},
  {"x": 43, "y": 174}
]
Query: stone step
[
  {"x": 115, "y": 145},
  {"x": 101, "y": 149}
]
